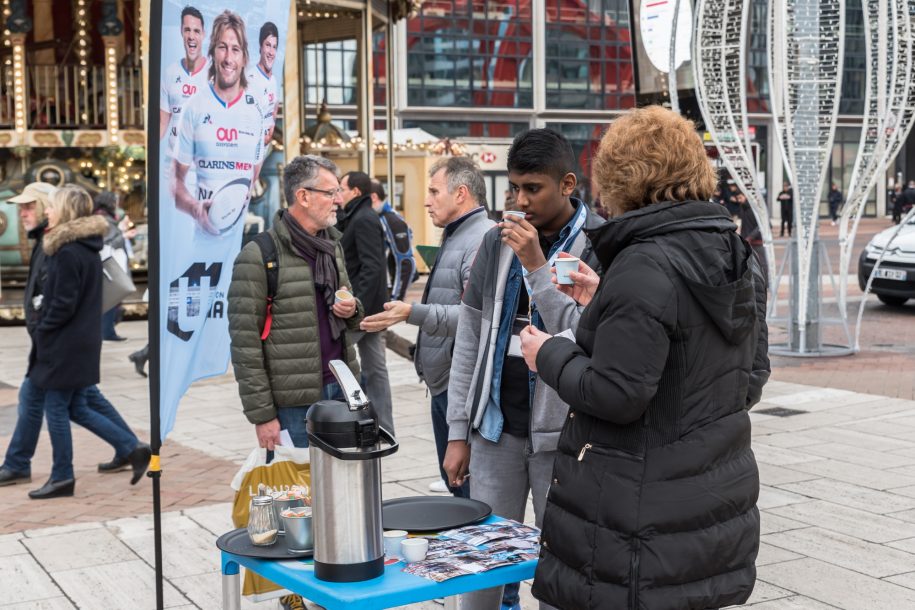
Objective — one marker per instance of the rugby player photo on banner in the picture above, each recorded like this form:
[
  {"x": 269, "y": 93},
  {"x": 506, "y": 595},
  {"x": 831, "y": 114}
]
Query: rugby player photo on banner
[{"x": 221, "y": 69}]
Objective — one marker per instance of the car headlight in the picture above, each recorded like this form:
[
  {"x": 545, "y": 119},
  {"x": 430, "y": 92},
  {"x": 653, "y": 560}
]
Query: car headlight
[{"x": 873, "y": 250}]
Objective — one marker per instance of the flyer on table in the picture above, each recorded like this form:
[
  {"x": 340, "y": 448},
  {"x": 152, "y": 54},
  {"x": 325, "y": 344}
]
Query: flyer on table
[{"x": 221, "y": 80}]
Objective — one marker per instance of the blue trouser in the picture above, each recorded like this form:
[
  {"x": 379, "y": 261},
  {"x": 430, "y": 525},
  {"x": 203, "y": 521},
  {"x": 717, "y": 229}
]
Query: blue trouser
[
  {"x": 28, "y": 427},
  {"x": 109, "y": 319},
  {"x": 97, "y": 402},
  {"x": 292, "y": 419},
  {"x": 60, "y": 407},
  {"x": 440, "y": 431}
]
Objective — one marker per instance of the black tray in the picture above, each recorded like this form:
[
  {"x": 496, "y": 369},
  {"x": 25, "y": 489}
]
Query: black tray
[
  {"x": 237, "y": 542},
  {"x": 432, "y": 513}
]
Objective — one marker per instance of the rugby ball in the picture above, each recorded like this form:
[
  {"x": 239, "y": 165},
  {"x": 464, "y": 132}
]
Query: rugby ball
[{"x": 228, "y": 204}]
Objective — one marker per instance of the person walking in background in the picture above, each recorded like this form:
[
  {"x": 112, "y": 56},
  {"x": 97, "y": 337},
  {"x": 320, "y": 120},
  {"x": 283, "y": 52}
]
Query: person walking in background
[
  {"x": 653, "y": 495},
  {"x": 64, "y": 362},
  {"x": 106, "y": 204},
  {"x": 834, "y": 199},
  {"x": 786, "y": 205},
  {"x": 896, "y": 203},
  {"x": 456, "y": 203},
  {"x": 17, "y": 464},
  {"x": 363, "y": 247},
  {"x": 398, "y": 239},
  {"x": 503, "y": 424}
]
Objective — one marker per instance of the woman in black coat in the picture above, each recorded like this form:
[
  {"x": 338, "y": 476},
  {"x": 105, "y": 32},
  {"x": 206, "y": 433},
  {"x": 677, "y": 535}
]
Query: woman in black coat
[
  {"x": 653, "y": 498},
  {"x": 67, "y": 338}
]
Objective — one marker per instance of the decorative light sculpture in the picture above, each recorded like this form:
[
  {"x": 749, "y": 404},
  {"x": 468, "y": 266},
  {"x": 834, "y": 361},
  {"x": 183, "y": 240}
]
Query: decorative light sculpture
[
  {"x": 720, "y": 65},
  {"x": 889, "y": 108},
  {"x": 806, "y": 46}
]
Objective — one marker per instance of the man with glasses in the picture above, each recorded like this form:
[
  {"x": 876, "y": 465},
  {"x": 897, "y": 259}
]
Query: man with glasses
[{"x": 281, "y": 345}]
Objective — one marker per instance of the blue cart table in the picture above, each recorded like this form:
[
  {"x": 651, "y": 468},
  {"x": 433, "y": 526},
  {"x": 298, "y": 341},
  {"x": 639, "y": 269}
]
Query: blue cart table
[{"x": 394, "y": 588}]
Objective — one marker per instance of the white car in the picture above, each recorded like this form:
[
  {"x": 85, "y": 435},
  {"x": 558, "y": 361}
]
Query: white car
[{"x": 894, "y": 283}]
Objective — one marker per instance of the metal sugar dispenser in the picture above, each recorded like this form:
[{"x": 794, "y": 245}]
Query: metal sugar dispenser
[{"x": 345, "y": 447}]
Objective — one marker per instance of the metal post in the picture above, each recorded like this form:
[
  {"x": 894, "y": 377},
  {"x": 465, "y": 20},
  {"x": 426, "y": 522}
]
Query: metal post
[
  {"x": 367, "y": 111},
  {"x": 389, "y": 99}
]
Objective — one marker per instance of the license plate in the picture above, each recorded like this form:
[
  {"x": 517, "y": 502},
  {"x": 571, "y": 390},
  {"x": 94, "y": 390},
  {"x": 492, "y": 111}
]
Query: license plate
[{"x": 890, "y": 274}]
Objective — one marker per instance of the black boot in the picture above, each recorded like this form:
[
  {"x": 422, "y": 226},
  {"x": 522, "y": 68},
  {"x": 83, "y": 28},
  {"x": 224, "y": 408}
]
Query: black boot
[
  {"x": 54, "y": 489},
  {"x": 8, "y": 477},
  {"x": 116, "y": 464},
  {"x": 139, "y": 461}
]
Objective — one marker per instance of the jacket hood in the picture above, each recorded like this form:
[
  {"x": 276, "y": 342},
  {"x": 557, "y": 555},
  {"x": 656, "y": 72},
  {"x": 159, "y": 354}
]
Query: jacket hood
[
  {"x": 701, "y": 243},
  {"x": 88, "y": 229}
]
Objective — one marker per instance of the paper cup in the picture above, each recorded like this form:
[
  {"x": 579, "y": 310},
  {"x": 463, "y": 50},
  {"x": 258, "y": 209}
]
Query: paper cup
[
  {"x": 414, "y": 549},
  {"x": 515, "y": 213},
  {"x": 342, "y": 295},
  {"x": 392, "y": 540},
  {"x": 564, "y": 266}
]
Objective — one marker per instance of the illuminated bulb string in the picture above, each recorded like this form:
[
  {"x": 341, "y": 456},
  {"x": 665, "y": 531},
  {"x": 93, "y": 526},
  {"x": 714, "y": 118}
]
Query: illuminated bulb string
[{"x": 83, "y": 49}]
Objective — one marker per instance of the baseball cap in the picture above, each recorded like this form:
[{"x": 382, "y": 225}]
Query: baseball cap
[{"x": 36, "y": 191}]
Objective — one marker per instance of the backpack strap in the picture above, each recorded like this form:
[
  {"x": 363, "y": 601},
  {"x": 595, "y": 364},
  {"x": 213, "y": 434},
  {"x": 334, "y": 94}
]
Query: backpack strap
[{"x": 267, "y": 246}]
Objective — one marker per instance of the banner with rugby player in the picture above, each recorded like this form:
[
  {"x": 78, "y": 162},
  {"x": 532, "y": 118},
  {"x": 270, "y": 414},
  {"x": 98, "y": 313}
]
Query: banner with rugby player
[{"x": 220, "y": 80}]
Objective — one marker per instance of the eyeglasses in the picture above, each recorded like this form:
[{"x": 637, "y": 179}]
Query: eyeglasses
[{"x": 332, "y": 193}]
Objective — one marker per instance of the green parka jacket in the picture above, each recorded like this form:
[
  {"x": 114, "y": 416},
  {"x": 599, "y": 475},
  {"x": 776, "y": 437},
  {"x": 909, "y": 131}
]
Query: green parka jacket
[{"x": 285, "y": 369}]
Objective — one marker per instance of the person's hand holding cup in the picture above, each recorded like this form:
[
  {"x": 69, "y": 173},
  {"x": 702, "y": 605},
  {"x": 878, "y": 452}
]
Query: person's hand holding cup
[
  {"x": 580, "y": 282},
  {"x": 344, "y": 304}
]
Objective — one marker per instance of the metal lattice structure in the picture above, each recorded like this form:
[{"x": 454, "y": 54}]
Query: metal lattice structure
[
  {"x": 806, "y": 46},
  {"x": 889, "y": 110},
  {"x": 720, "y": 65}
]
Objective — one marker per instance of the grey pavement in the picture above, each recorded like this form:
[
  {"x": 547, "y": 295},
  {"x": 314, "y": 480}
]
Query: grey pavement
[{"x": 837, "y": 498}]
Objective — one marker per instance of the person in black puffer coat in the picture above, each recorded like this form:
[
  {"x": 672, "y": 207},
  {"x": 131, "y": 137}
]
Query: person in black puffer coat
[{"x": 653, "y": 498}]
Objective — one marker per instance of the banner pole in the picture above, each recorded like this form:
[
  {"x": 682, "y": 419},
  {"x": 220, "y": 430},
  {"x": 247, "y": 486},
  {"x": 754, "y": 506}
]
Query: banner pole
[{"x": 154, "y": 273}]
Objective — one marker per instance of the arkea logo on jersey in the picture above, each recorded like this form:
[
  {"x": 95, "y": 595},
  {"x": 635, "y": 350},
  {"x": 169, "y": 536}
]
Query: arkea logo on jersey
[
  {"x": 187, "y": 89},
  {"x": 224, "y": 134},
  {"x": 230, "y": 165}
]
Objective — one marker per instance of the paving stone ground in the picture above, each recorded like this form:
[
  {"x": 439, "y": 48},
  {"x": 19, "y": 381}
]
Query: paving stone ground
[{"x": 837, "y": 499}]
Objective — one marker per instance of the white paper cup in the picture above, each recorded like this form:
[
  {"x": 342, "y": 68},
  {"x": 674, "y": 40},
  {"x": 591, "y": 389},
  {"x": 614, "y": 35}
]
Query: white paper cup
[
  {"x": 392, "y": 540},
  {"x": 517, "y": 214},
  {"x": 564, "y": 266},
  {"x": 414, "y": 549},
  {"x": 342, "y": 295}
]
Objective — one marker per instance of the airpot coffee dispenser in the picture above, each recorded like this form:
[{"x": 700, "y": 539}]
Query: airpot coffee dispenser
[{"x": 345, "y": 447}]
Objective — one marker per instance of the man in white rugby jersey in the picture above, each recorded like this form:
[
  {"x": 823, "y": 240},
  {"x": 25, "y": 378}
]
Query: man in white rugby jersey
[
  {"x": 262, "y": 81},
  {"x": 221, "y": 132},
  {"x": 184, "y": 78}
]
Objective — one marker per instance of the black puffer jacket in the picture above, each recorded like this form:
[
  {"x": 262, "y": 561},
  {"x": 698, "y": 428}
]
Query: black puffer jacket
[{"x": 653, "y": 500}]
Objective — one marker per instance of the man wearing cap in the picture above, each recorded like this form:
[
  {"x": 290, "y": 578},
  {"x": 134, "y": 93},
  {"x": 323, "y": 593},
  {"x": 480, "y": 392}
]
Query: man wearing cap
[{"x": 16, "y": 466}]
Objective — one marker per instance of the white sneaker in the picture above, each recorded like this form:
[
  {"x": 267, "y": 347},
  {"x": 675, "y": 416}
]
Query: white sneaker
[{"x": 438, "y": 486}]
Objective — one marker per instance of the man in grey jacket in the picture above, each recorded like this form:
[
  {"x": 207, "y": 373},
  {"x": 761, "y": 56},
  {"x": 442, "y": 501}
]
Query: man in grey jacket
[
  {"x": 496, "y": 406},
  {"x": 457, "y": 192}
]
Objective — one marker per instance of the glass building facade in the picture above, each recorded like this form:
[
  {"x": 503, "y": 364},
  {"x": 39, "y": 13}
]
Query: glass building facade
[{"x": 485, "y": 70}]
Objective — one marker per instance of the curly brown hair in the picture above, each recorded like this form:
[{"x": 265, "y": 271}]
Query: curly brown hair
[{"x": 651, "y": 155}]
